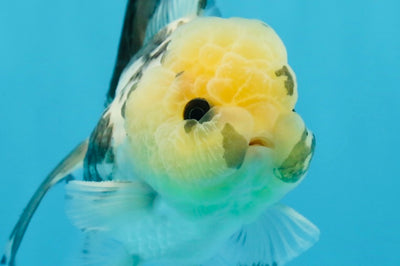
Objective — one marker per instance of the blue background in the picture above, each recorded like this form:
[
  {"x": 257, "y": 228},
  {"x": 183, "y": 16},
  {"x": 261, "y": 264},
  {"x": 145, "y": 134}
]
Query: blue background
[{"x": 56, "y": 59}]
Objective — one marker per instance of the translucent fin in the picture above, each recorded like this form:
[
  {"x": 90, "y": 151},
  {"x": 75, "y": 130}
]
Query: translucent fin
[
  {"x": 72, "y": 162},
  {"x": 101, "y": 251},
  {"x": 211, "y": 9},
  {"x": 168, "y": 11},
  {"x": 104, "y": 205},
  {"x": 278, "y": 236}
]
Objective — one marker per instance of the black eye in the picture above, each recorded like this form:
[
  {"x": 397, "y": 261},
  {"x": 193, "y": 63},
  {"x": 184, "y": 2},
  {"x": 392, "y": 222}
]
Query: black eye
[{"x": 196, "y": 109}]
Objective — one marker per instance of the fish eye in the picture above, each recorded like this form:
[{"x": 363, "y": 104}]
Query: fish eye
[{"x": 196, "y": 109}]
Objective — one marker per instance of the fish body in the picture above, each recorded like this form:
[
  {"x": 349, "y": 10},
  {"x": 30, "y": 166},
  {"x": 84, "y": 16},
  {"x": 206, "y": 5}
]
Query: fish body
[
  {"x": 199, "y": 179},
  {"x": 198, "y": 144}
]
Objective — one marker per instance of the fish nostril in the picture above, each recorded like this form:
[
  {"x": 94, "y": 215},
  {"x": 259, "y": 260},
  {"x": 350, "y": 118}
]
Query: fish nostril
[{"x": 261, "y": 141}]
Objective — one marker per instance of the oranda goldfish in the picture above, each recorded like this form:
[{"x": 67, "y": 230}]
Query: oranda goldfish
[{"x": 197, "y": 145}]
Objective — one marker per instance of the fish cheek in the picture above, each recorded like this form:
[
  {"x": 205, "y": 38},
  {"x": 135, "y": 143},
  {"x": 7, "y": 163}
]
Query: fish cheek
[{"x": 235, "y": 147}]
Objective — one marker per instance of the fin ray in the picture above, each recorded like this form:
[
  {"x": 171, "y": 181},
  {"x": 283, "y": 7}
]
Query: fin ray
[
  {"x": 278, "y": 236},
  {"x": 102, "y": 251},
  {"x": 97, "y": 205}
]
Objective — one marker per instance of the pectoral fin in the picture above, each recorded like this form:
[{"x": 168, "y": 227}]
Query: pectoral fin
[
  {"x": 101, "y": 205},
  {"x": 72, "y": 162},
  {"x": 103, "y": 209}
]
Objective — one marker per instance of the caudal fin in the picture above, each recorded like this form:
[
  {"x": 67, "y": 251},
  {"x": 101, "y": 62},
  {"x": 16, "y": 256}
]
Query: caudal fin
[{"x": 278, "y": 236}]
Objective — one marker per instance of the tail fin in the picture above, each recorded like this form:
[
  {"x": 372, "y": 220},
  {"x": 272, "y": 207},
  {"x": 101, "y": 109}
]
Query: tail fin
[
  {"x": 278, "y": 236},
  {"x": 69, "y": 164}
]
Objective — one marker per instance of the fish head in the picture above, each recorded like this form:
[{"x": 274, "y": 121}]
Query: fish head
[{"x": 213, "y": 124}]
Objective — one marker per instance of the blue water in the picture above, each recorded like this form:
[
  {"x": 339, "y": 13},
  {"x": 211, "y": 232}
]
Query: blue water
[{"x": 56, "y": 59}]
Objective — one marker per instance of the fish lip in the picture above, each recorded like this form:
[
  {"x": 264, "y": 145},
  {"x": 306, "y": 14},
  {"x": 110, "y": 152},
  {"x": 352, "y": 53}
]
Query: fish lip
[{"x": 262, "y": 141}]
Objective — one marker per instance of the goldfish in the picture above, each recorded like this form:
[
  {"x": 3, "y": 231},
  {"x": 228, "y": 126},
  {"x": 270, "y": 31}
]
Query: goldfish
[{"x": 197, "y": 145}]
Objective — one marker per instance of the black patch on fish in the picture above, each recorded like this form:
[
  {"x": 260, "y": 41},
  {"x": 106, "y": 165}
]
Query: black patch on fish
[
  {"x": 202, "y": 5},
  {"x": 160, "y": 51},
  {"x": 161, "y": 36},
  {"x": 100, "y": 150},
  {"x": 293, "y": 168},
  {"x": 3, "y": 259},
  {"x": 151, "y": 52},
  {"x": 235, "y": 146},
  {"x": 207, "y": 117},
  {"x": 162, "y": 59},
  {"x": 138, "y": 75},
  {"x": 69, "y": 178},
  {"x": 153, "y": 45},
  {"x": 189, "y": 125},
  {"x": 289, "y": 83},
  {"x": 179, "y": 74},
  {"x": 137, "y": 16},
  {"x": 123, "y": 108},
  {"x": 180, "y": 23},
  {"x": 131, "y": 90},
  {"x": 135, "y": 77},
  {"x": 147, "y": 53}
]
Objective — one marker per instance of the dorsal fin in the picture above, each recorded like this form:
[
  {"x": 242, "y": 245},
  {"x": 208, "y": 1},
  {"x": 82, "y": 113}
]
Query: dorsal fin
[
  {"x": 144, "y": 19},
  {"x": 170, "y": 10},
  {"x": 137, "y": 15}
]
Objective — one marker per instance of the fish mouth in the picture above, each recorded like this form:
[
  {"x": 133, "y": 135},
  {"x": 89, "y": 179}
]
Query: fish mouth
[{"x": 262, "y": 141}]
